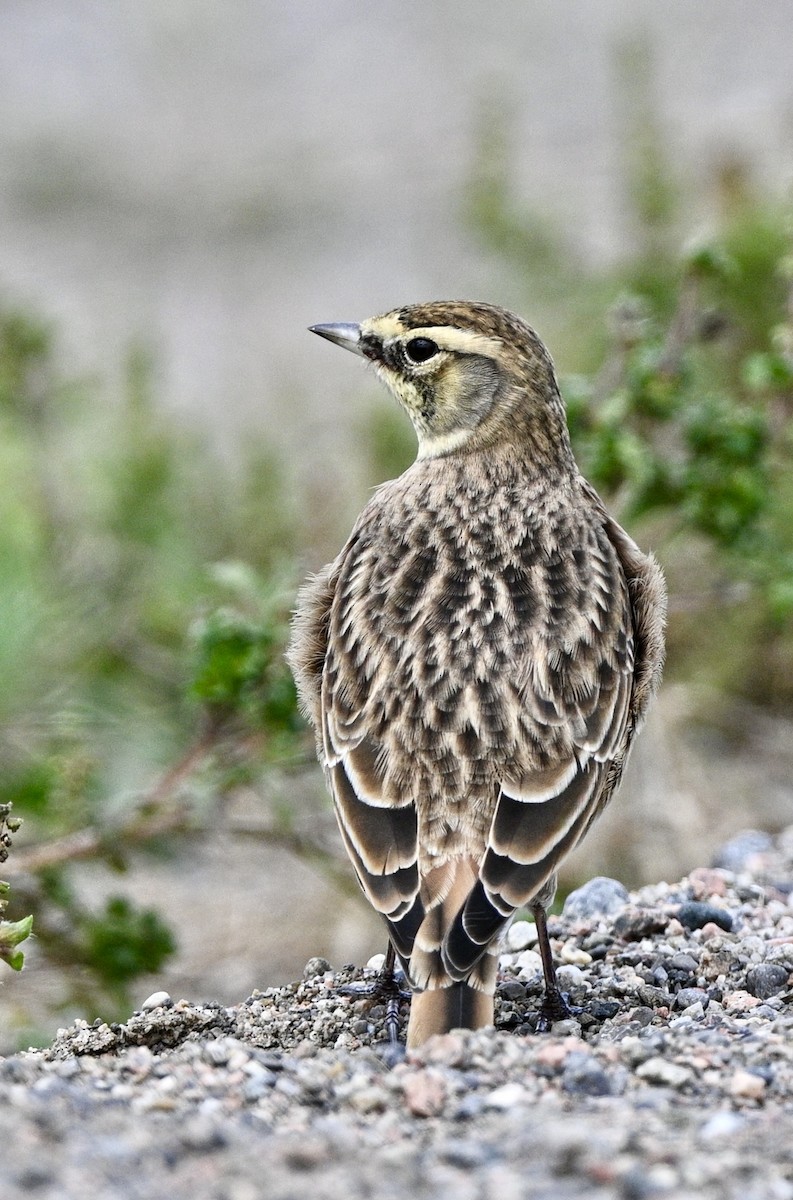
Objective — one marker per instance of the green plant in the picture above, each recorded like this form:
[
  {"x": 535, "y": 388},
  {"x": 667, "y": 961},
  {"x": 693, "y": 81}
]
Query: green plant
[
  {"x": 109, "y": 515},
  {"x": 12, "y": 933},
  {"x": 680, "y": 402}
]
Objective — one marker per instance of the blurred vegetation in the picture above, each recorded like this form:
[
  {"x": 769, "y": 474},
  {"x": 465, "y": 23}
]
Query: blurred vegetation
[
  {"x": 145, "y": 585},
  {"x": 678, "y": 378},
  {"x": 136, "y": 647}
]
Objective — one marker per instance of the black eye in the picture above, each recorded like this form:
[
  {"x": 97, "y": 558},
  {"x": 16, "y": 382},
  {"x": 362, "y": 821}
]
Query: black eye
[{"x": 420, "y": 349}]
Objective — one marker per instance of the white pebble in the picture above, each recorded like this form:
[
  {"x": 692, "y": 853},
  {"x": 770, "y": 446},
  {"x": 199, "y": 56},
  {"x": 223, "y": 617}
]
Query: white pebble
[
  {"x": 721, "y": 1124},
  {"x": 569, "y": 976},
  {"x": 745, "y": 1085},
  {"x": 156, "y": 1000},
  {"x": 506, "y": 1096},
  {"x": 529, "y": 964},
  {"x": 520, "y": 935},
  {"x": 376, "y": 962}
]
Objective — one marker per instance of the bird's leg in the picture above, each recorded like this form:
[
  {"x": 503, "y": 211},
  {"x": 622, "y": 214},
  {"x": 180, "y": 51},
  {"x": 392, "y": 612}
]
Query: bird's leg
[
  {"x": 384, "y": 988},
  {"x": 554, "y": 1007},
  {"x": 393, "y": 995}
]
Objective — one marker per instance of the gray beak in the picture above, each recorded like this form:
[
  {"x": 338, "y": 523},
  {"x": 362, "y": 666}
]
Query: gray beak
[{"x": 346, "y": 336}]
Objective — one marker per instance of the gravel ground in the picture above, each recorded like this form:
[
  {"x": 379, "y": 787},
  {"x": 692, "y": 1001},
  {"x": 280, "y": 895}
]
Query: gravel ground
[{"x": 675, "y": 1079}]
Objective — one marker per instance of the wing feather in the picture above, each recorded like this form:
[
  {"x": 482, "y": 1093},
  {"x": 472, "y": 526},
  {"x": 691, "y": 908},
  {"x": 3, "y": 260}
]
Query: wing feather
[
  {"x": 505, "y": 885},
  {"x": 385, "y": 839}
]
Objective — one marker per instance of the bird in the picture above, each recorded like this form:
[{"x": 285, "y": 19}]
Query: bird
[{"x": 477, "y": 659}]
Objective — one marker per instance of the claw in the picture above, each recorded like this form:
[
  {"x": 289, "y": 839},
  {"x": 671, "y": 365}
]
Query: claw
[
  {"x": 385, "y": 988},
  {"x": 555, "y": 1007}
]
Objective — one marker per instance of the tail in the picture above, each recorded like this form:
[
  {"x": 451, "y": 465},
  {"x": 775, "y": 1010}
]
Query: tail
[{"x": 438, "y": 1010}]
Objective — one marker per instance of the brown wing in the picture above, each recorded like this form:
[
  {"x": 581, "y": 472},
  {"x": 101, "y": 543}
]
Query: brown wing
[{"x": 378, "y": 823}]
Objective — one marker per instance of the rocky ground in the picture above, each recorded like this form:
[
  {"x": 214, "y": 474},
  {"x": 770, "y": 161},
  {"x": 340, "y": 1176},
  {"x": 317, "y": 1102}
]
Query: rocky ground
[{"x": 674, "y": 1079}]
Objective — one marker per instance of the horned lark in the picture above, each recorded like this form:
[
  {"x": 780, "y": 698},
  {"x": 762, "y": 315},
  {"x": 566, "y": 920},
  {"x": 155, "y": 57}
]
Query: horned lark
[{"x": 478, "y": 658}]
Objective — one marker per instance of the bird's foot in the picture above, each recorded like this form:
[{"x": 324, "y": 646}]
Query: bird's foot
[
  {"x": 385, "y": 989},
  {"x": 555, "y": 1007}
]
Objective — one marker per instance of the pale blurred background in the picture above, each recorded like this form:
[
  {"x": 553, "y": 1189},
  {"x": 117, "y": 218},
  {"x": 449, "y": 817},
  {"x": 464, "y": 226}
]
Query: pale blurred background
[{"x": 189, "y": 185}]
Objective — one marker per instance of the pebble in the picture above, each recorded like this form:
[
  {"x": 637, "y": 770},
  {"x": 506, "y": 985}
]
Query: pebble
[
  {"x": 653, "y": 997},
  {"x": 739, "y": 1001},
  {"x": 520, "y": 935},
  {"x": 766, "y": 980},
  {"x": 696, "y": 915},
  {"x": 529, "y": 964},
  {"x": 376, "y": 1099},
  {"x": 603, "y": 1010},
  {"x": 675, "y": 1078},
  {"x": 156, "y": 1000},
  {"x": 635, "y": 924},
  {"x": 747, "y": 1086},
  {"x": 661, "y": 1070},
  {"x": 711, "y": 930},
  {"x": 742, "y": 850},
  {"x": 600, "y": 896},
  {"x": 573, "y": 955},
  {"x": 708, "y": 881},
  {"x": 201, "y": 1133},
  {"x": 219, "y": 1052},
  {"x": 553, "y": 1054},
  {"x": 584, "y": 1076},
  {"x": 566, "y": 1027},
  {"x": 721, "y": 1125},
  {"x": 462, "y": 1153},
  {"x": 315, "y": 966},
  {"x": 688, "y": 996},
  {"x": 683, "y": 963},
  {"x": 507, "y": 1096},
  {"x": 569, "y": 976},
  {"x": 424, "y": 1093}
]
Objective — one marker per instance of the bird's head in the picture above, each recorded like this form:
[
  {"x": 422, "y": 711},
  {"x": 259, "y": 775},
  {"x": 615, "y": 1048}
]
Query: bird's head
[{"x": 469, "y": 376}]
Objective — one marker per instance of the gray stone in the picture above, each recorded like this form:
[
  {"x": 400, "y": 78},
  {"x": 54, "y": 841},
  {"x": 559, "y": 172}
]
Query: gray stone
[
  {"x": 766, "y": 980},
  {"x": 688, "y": 996},
  {"x": 315, "y": 966},
  {"x": 741, "y": 849},
  {"x": 637, "y": 923},
  {"x": 603, "y": 1010},
  {"x": 642, "y": 1015},
  {"x": 512, "y": 989},
  {"x": 694, "y": 915},
  {"x": 682, "y": 962},
  {"x": 653, "y": 997},
  {"x": 584, "y": 1076},
  {"x": 600, "y": 896}
]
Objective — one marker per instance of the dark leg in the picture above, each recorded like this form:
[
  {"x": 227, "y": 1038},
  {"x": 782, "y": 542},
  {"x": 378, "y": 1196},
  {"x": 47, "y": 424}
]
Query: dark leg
[
  {"x": 554, "y": 1007},
  {"x": 393, "y": 996},
  {"x": 385, "y": 989}
]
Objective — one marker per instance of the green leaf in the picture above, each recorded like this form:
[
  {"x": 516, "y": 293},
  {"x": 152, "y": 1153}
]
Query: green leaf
[{"x": 11, "y": 934}]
